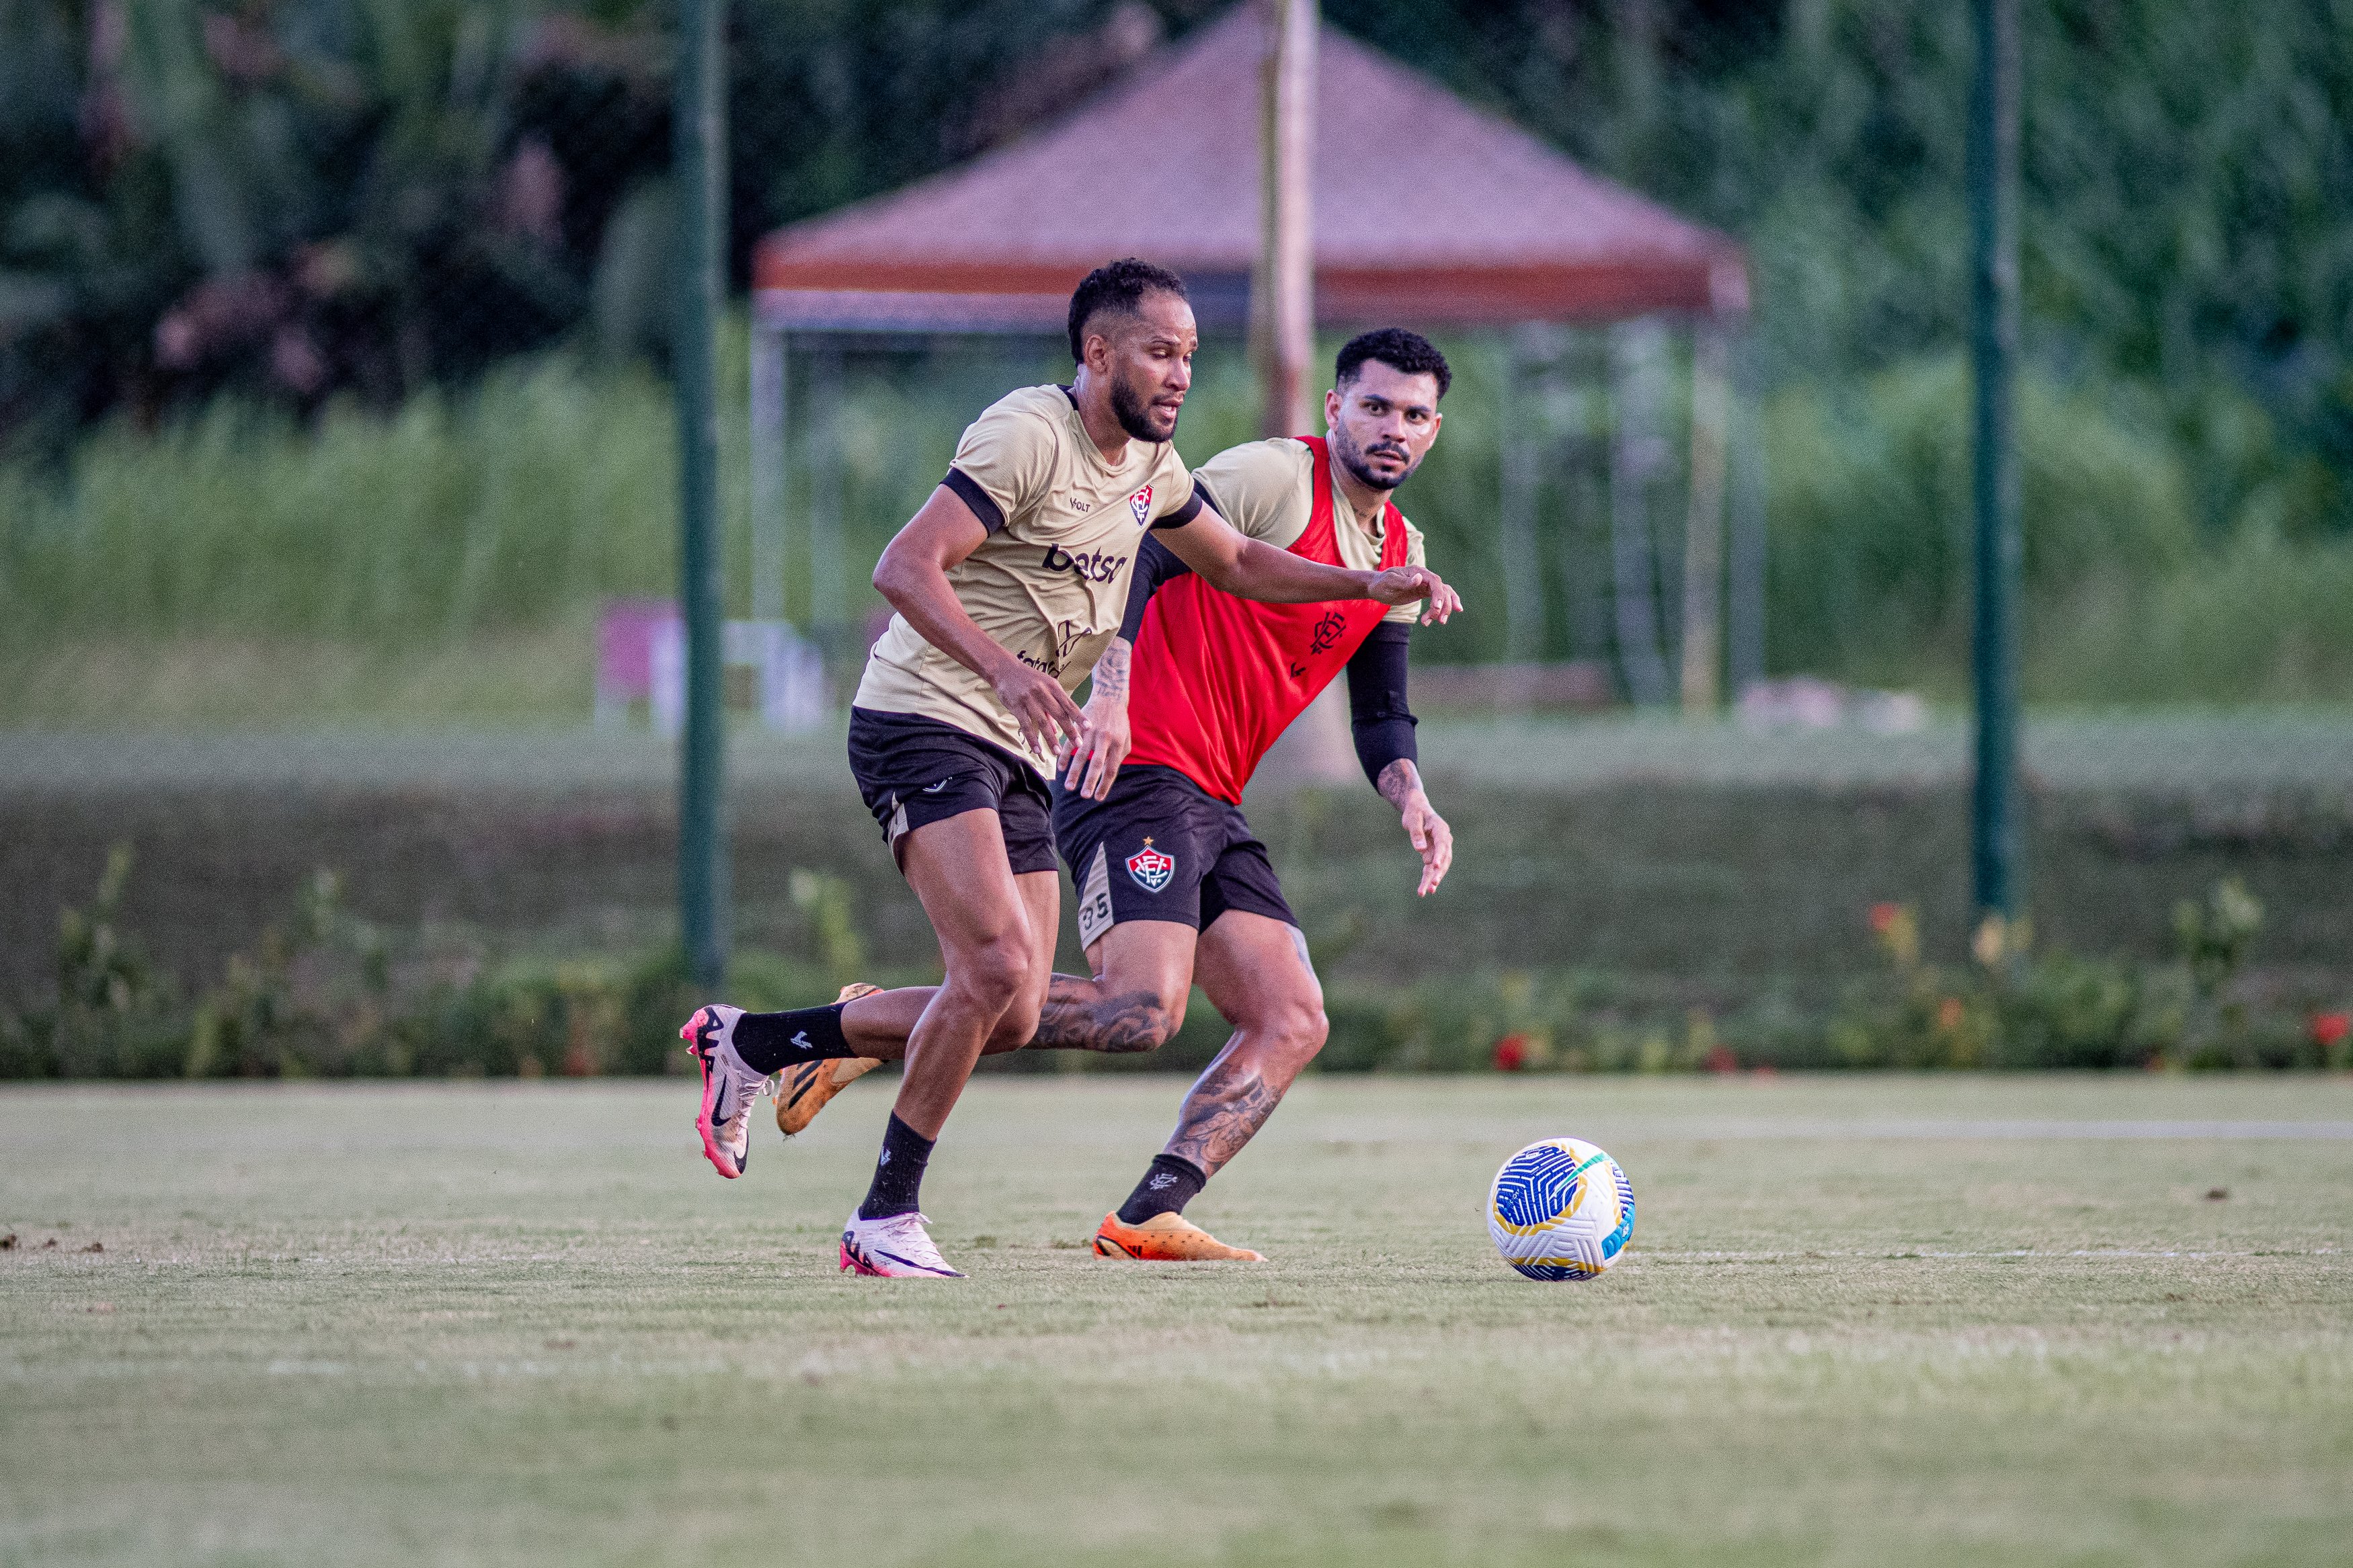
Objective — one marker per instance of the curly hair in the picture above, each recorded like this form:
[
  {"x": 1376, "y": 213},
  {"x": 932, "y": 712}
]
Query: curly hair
[
  {"x": 1118, "y": 287},
  {"x": 1409, "y": 353}
]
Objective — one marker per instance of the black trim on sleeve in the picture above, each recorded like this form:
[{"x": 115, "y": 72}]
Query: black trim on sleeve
[
  {"x": 1189, "y": 511},
  {"x": 1155, "y": 563},
  {"x": 968, "y": 491},
  {"x": 1381, "y": 723}
]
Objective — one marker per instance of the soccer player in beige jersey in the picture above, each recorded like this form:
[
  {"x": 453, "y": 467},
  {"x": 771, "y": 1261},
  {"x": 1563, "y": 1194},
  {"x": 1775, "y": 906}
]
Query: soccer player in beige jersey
[
  {"x": 1174, "y": 887},
  {"x": 1009, "y": 584}
]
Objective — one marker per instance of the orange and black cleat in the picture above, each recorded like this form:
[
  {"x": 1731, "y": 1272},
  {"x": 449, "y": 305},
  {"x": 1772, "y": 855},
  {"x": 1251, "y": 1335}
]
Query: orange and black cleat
[
  {"x": 801, "y": 1091},
  {"x": 1165, "y": 1239}
]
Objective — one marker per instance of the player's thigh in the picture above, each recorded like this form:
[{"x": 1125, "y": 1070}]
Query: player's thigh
[
  {"x": 1152, "y": 956},
  {"x": 958, "y": 869},
  {"x": 1255, "y": 969}
]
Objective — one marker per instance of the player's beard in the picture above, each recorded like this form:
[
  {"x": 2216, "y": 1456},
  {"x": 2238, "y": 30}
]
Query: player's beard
[
  {"x": 1134, "y": 412},
  {"x": 1352, "y": 458}
]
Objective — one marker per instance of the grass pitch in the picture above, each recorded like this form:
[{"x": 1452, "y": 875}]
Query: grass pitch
[{"x": 1863, "y": 1321}]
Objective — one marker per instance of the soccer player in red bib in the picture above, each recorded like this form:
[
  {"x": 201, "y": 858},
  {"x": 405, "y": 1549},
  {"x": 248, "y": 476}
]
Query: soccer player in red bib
[{"x": 1172, "y": 887}]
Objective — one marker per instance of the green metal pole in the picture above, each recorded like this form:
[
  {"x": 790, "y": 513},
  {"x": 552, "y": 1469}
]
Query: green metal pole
[
  {"x": 699, "y": 151},
  {"x": 1998, "y": 873}
]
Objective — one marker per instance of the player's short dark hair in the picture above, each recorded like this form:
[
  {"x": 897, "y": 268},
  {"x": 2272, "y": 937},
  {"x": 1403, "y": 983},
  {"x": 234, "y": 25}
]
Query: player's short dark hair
[
  {"x": 1409, "y": 353},
  {"x": 1119, "y": 287}
]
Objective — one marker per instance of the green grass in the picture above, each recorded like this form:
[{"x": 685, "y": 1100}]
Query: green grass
[{"x": 461, "y": 1324}]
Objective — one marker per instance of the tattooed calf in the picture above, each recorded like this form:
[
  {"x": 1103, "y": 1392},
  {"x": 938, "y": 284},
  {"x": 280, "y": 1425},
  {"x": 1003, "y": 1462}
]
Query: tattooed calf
[
  {"x": 1078, "y": 1018},
  {"x": 1228, "y": 1105}
]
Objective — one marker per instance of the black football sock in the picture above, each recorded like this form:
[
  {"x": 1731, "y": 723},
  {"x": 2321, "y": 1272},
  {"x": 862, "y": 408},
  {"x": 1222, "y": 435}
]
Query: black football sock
[
  {"x": 899, "y": 1173},
  {"x": 1172, "y": 1181},
  {"x": 770, "y": 1041}
]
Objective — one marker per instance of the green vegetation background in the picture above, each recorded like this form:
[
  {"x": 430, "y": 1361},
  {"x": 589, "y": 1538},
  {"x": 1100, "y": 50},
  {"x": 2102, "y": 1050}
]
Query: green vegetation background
[{"x": 2188, "y": 419}]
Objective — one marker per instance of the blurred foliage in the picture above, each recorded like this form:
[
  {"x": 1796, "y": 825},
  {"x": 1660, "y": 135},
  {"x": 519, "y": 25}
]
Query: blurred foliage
[
  {"x": 511, "y": 506},
  {"x": 266, "y": 268},
  {"x": 300, "y": 196},
  {"x": 2009, "y": 1007},
  {"x": 2187, "y": 227},
  {"x": 327, "y": 993},
  {"x": 319, "y": 996},
  {"x": 297, "y": 198},
  {"x": 295, "y": 195},
  {"x": 501, "y": 505}
]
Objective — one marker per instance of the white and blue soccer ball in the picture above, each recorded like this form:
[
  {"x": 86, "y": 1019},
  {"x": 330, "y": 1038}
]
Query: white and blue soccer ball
[{"x": 1561, "y": 1209}]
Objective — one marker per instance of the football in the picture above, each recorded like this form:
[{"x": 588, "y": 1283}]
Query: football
[{"x": 1561, "y": 1209}]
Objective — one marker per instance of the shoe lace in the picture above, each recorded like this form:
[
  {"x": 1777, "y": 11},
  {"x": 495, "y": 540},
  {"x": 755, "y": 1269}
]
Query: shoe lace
[{"x": 906, "y": 1232}]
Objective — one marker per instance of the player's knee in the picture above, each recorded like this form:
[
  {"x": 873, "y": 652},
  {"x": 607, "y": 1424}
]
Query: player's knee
[
  {"x": 1300, "y": 1030},
  {"x": 1016, "y": 1028},
  {"x": 994, "y": 974}
]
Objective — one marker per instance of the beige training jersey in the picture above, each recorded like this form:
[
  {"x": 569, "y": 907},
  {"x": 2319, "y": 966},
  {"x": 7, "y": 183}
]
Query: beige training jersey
[
  {"x": 1266, "y": 488},
  {"x": 1049, "y": 582}
]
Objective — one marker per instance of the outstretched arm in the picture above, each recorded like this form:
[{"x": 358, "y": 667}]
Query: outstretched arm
[
  {"x": 912, "y": 576},
  {"x": 1250, "y": 569},
  {"x": 1384, "y": 730}
]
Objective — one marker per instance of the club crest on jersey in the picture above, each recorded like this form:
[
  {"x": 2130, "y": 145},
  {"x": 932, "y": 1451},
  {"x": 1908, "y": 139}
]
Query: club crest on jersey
[
  {"x": 1140, "y": 506},
  {"x": 1151, "y": 868}
]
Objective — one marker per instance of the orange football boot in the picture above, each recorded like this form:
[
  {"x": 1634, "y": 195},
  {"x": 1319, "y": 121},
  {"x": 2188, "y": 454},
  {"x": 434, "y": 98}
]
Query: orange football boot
[
  {"x": 801, "y": 1091},
  {"x": 1165, "y": 1239}
]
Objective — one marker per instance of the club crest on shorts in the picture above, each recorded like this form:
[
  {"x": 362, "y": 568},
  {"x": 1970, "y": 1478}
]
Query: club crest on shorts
[
  {"x": 1140, "y": 505},
  {"x": 1151, "y": 868}
]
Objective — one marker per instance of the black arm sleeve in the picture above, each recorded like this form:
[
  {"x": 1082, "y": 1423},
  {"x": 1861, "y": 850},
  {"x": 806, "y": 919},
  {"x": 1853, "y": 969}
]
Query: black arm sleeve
[
  {"x": 1376, "y": 710},
  {"x": 1155, "y": 563}
]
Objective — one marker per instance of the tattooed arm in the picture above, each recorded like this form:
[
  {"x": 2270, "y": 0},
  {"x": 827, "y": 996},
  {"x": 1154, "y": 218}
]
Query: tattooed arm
[
  {"x": 1090, "y": 766},
  {"x": 1400, "y": 785}
]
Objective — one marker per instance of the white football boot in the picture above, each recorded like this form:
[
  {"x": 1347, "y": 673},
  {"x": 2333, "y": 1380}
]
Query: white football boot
[
  {"x": 729, "y": 1088},
  {"x": 896, "y": 1247}
]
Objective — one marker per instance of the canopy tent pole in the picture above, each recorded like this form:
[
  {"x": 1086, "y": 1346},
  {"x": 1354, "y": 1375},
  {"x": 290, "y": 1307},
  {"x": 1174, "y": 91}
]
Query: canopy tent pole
[
  {"x": 1584, "y": 462},
  {"x": 769, "y": 347},
  {"x": 1523, "y": 571},
  {"x": 1704, "y": 524},
  {"x": 1635, "y": 450},
  {"x": 1315, "y": 749},
  {"x": 1283, "y": 292},
  {"x": 1745, "y": 587},
  {"x": 829, "y": 601}
]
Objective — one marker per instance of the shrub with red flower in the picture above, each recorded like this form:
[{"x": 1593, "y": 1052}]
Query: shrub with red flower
[
  {"x": 1896, "y": 929},
  {"x": 1511, "y": 1053},
  {"x": 2329, "y": 1029}
]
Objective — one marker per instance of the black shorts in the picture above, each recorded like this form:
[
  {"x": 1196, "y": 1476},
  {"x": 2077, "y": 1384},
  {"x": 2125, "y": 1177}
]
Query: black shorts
[
  {"x": 912, "y": 770},
  {"x": 1162, "y": 849}
]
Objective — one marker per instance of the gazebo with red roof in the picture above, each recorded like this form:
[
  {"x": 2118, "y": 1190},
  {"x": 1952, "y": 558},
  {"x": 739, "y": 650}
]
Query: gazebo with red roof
[{"x": 1460, "y": 219}]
